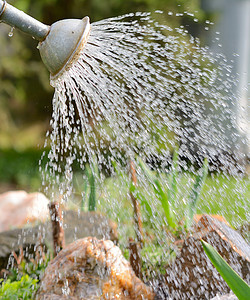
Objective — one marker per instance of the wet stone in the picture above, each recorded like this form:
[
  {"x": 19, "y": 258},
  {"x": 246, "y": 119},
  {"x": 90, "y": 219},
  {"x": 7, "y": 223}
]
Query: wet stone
[
  {"x": 230, "y": 296},
  {"x": 91, "y": 269},
  {"x": 77, "y": 225},
  {"x": 192, "y": 275},
  {"x": 19, "y": 207}
]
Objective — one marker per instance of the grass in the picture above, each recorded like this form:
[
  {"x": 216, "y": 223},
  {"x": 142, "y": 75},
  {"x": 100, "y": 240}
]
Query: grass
[
  {"x": 227, "y": 196},
  {"x": 221, "y": 194}
]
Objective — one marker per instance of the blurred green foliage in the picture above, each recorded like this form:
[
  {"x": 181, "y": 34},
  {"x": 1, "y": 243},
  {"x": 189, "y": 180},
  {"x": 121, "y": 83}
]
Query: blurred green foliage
[
  {"x": 24, "y": 288},
  {"x": 20, "y": 169},
  {"x": 25, "y": 93}
]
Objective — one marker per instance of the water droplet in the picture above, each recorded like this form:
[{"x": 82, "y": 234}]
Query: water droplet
[{"x": 10, "y": 34}]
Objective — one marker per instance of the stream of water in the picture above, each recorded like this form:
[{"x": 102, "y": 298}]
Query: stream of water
[{"x": 139, "y": 88}]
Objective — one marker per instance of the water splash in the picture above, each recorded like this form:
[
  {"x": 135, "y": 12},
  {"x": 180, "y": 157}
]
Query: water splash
[{"x": 139, "y": 88}]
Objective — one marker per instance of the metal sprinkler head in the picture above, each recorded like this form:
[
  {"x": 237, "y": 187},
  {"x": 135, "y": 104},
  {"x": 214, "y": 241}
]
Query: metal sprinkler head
[
  {"x": 59, "y": 44},
  {"x": 64, "y": 41}
]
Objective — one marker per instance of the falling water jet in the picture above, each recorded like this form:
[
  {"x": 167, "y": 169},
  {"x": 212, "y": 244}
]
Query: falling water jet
[{"x": 59, "y": 45}]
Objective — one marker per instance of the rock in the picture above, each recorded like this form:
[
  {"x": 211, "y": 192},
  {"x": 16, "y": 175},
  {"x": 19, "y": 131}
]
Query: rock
[
  {"x": 18, "y": 207},
  {"x": 76, "y": 226},
  {"x": 91, "y": 269},
  {"x": 236, "y": 244},
  {"x": 230, "y": 296},
  {"x": 198, "y": 217},
  {"x": 244, "y": 230},
  {"x": 192, "y": 275}
]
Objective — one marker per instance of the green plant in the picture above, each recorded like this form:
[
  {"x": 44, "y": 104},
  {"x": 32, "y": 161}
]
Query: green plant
[
  {"x": 34, "y": 267},
  {"x": 155, "y": 259},
  {"x": 24, "y": 288},
  {"x": 240, "y": 288},
  {"x": 167, "y": 197},
  {"x": 172, "y": 191},
  {"x": 23, "y": 279},
  {"x": 160, "y": 193},
  {"x": 91, "y": 175},
  {"x": 195, "y": 194}
]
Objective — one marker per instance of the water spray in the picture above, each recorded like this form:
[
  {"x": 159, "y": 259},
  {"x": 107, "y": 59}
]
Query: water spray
[{"x": 59, "y": 44}]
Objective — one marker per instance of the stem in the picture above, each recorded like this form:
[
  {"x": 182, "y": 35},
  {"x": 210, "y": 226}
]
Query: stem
[
  {"x": 57, "y": 227},
  {"x": 136, "y": 205},
  {"x": 135, "y": 257}
]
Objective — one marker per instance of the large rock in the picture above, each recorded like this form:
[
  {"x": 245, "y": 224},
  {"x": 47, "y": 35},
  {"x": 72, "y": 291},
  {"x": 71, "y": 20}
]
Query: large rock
[
  {"x": 17, "y": 208},
  {"x": 76, "y": 226},
  {"x": 192, "y": 275},
  {"x": 92, "y": 269}
]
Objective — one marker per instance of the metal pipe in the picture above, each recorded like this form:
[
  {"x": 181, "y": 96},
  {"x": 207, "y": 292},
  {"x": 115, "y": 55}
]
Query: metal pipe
[
  {"x": 18, "y": 19},
  {"x": 59, "y": 43}
]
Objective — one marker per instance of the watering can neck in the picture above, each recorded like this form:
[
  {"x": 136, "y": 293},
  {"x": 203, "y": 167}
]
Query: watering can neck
[
  {"x": 59, "y": 44},
  {"x": 18, "y": 19}
]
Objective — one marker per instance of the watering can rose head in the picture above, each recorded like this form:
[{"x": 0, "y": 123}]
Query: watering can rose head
[
  {"x": 59, "y": 43},
  {"x": 63, "y": 43}
]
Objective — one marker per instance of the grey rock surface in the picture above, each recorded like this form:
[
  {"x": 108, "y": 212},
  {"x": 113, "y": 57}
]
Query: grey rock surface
[
  {"x": 230, "y": 296},
  {"x": 76, "y": 226}
]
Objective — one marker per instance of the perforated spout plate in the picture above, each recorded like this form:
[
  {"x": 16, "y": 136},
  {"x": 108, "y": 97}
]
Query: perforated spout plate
[{"x": 65, "y": 39}]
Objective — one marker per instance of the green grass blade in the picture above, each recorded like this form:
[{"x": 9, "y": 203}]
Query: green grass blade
[
  {"x": 195, "y": 194},
  {"x": 160, "y": 193},
  {"x": 117, "y": 169},
  {"x": 93, "y": 179},
  {"x": 84, "y": 198},
  {"x": 92, "y": 194},
  {"x": 146, "y": 205},
  {"x": 172, "y": 191},
  {"x": 240, "y": 288},
  {"x": 144, "y": 202}
]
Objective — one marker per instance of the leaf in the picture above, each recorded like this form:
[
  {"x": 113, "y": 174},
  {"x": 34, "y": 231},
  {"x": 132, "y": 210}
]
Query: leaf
[
  {"x": 92, "y": 172},
  {"x": 160, "y": 193},
  {"x": 144, "y": 202},
  {"x": 117, "y": 169},
  {"x": 172, "y": 191},
  {"x": 92, "y": 193},
  {"x": 195, "y": 194},
  {"x": 240, "y": 288},
  {"x": 22, "y": 289},
  {"x": 84, "y": 197}
]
